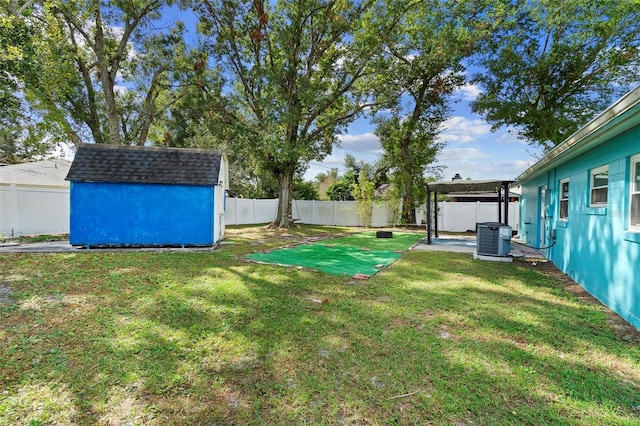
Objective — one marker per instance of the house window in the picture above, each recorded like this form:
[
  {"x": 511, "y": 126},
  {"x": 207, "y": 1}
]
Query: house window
[
  {"x": 599, "y": 183},
  {"x": 564, "y": 199},
  {"x": 634, "y": 214}
]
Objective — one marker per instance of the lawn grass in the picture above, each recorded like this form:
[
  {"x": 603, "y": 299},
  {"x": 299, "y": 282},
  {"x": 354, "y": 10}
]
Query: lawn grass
[{"x": 208, "y": 338}]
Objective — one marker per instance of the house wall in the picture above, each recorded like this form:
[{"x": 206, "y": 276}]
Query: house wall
[
  {"x": 594, "y": 246},
  {"x": 141, "y": 214}
]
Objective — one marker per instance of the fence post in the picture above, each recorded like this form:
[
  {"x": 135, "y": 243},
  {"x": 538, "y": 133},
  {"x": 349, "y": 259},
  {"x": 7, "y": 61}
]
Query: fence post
[{"x": 14, "y": 217}]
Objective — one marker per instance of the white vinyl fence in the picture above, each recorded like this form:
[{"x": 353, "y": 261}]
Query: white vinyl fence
[
  {"x": 462, "y": 217},
  {"x": 33, "y": 210},
  {"x": 452, "y": 217}
]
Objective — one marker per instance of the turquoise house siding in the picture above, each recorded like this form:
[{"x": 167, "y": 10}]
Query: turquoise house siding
[
  {"x": 594, "y": 246},
  {"x": 125, "y": 214}
]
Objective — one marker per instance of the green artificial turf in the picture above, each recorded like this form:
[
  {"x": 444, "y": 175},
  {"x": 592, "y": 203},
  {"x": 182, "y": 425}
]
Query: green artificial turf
[
  {"x": 400, "y": 241},
  {"x": 350, "y": 255},
  {"x": 337, "y": 260}
]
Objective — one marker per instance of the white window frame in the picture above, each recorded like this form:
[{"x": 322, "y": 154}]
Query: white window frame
[
  {"x": 564, "y": 199},
  {"x": 592, "y": 175},
  {"x": 634, "y": 190}
]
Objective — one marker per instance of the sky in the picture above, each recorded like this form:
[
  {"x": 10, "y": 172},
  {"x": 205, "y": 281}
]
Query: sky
[{"x": 471, "y": 148}]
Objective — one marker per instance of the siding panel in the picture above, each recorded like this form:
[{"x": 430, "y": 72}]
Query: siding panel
[{"x": 141, "y": 214}]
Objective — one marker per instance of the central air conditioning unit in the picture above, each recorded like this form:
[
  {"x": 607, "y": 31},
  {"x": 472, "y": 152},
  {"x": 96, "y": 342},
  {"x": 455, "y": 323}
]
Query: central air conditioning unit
[{"x": 494, "y": 239}]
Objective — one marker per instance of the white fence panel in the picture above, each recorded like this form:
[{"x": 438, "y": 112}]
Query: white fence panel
[
  {"x": 33, "y": 210},
  {"x": 380, "y": 216},
  {"x": 452, "y": 217},
  {"x": 330, "y": 213},
  {"x": 241, "y": 211},
  {"x": 462, "y": 217}
]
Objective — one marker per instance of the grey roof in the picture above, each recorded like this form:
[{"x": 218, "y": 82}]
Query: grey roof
[
  {"x": 446, "y": 186},
  {"x": 142, "y": 164},
  {"x": 50, "y": 172}
]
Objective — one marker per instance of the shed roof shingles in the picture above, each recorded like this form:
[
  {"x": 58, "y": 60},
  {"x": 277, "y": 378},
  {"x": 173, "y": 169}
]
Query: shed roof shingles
[{"x": 134, "y": 164}]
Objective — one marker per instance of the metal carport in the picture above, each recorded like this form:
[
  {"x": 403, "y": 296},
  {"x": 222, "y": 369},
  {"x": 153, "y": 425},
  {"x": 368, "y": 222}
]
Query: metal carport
[{"x": 445, "y": 187}]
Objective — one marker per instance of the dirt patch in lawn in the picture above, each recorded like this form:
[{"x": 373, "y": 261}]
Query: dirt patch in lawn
[
  {"x": 5, "y": 295},
  {"x": 619, "y": 326}
]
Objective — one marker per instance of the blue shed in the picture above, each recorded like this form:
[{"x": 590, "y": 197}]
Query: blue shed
[
  {"x": 581, "y": 204},
  {"x": 146, "y": 196}
]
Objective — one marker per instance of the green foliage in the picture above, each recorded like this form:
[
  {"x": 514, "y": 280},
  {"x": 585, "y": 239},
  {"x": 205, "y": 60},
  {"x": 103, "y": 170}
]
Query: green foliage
[
  {"x": 323, "y": 181},
  {"x": 362, "y": 192},
  {"x": 98, "y": 71},
  {"x": 422, "y": 69},
  {"x": 551, "y": 66},
  {"x": 303, "y": 190},
  {"x": 342, "y": 190},
  {"x": 20, "y": 139}
]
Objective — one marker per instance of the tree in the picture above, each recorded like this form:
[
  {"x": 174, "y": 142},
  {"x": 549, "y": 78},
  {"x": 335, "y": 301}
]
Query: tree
[
  {"x": 551, "y": 66},
  {"x": 423, "y": 68},
  {"x": 19, "y": 139},
  {"x": 102, "y": 71},
  {"x": 363, "y": 194},
  {"x": 342, "y": 190},
  {"x": 303, "y": 190},
  {"x": 293, "y": 68},
  {"x": 343, "y": 187},
  {"x": 323, "y": 181}
]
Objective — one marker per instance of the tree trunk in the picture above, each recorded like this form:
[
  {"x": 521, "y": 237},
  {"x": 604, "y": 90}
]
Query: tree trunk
[
  {"x": 408, "y": 207},
  {"x": 107, "y": 78},
  {"x": 284, "y": 216}
]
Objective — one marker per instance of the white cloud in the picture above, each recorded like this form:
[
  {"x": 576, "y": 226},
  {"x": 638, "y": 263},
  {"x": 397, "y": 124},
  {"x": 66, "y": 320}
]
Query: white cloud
[
  {"x": 464, "y": 130},
  {"x": 461, "y": 154},
  {"x": 333, "y": 161},
  {"x": 364, "y": 143},
  {"x": 508, "y": 137},
  {"x": 477, "y": 164},
  {"x": 120, "y": 89},
  {"x": 469, "y": 92}
]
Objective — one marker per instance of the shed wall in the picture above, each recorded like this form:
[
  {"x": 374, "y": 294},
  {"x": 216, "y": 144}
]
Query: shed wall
[
  {"x": 141, "y": 214},
  {"x": 594, "y": 246}
]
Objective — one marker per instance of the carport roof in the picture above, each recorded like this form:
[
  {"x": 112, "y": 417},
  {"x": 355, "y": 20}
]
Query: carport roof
[{"x": 444, "y": 186}]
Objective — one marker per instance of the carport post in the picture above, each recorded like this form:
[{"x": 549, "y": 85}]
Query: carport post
[
  {"x": 499, "y": 205},
  {"x": 428, "y": 216},
  {"x": 435, "y": 211},
  {"x": 506, "y": 203}
]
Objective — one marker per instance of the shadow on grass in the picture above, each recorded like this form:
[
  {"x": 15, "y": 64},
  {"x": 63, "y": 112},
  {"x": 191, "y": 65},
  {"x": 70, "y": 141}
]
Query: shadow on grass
[{"x": 205, "y": 338}]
